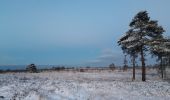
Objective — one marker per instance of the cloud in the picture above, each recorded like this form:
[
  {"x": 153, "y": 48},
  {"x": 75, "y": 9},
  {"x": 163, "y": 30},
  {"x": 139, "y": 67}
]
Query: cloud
[{"x": 106, "y": 57}]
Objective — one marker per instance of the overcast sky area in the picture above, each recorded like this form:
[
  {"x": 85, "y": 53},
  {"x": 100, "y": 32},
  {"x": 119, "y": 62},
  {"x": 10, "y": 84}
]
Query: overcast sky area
[{"x": 70, "y": 32}]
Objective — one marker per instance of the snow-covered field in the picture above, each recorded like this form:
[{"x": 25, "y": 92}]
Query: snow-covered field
[{"x": 98, "y": 85}]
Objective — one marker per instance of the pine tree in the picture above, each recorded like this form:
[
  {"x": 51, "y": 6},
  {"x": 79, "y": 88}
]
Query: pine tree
[
  {"x": 31, "y": 68},
  {"x": 160, "y": 47},
  {"x": 126, "y": 42},
  {"x": 142, "y": 30}
]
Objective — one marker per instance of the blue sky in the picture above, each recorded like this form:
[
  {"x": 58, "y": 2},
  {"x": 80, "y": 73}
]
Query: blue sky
[{"x": 70, "y": 32}]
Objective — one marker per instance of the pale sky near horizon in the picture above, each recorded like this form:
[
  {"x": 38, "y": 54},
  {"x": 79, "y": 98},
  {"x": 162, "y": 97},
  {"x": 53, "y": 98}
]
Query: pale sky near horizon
[{"x": 70, "y": 32}]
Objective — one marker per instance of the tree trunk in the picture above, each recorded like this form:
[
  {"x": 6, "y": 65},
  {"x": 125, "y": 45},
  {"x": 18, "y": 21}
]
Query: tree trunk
[
  {"x": 143, "y": 64},
  {"x": 162, "y": 68},
  {"x": 133, "y": 61}
]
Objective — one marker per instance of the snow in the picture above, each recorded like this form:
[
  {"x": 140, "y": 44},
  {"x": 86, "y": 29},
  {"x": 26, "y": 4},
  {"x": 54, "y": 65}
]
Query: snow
[
  {"x": 97, "y": 85},
  {"x": 130, "y": 39}
]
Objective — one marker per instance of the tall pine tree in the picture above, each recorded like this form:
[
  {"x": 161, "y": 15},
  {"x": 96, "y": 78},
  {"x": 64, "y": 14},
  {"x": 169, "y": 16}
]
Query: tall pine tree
[
  {"x": 142, "y": 30},
  {"x": 161, "y": 48}
]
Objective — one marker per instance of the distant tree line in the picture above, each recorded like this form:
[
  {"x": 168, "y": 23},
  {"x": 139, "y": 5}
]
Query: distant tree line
[{"x": 59, "y": 68}]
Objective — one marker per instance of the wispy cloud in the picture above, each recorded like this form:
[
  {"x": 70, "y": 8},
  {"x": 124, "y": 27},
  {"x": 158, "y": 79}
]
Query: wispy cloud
[{"x": 106, "y": 57}]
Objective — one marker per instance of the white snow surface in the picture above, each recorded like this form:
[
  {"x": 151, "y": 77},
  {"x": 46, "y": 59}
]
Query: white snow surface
[{"x": 97, "y": 85}]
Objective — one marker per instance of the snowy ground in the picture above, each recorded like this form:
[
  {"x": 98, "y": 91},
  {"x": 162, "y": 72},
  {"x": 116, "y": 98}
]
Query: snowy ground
[{"x": 99, "y": 85}]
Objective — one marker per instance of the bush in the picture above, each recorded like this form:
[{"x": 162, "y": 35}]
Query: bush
[
  {"x": 1, "y": 71},
  {"x": 125, "y": 67},
  {"x": 31, "y": 68},
  {"x": 112, "y": 66},
  {"x": 82, "y": 70}
]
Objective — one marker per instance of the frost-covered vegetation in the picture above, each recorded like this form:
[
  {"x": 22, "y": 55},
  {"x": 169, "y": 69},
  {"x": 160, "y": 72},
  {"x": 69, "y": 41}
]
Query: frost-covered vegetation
[{"x": 89, "y": 85}]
